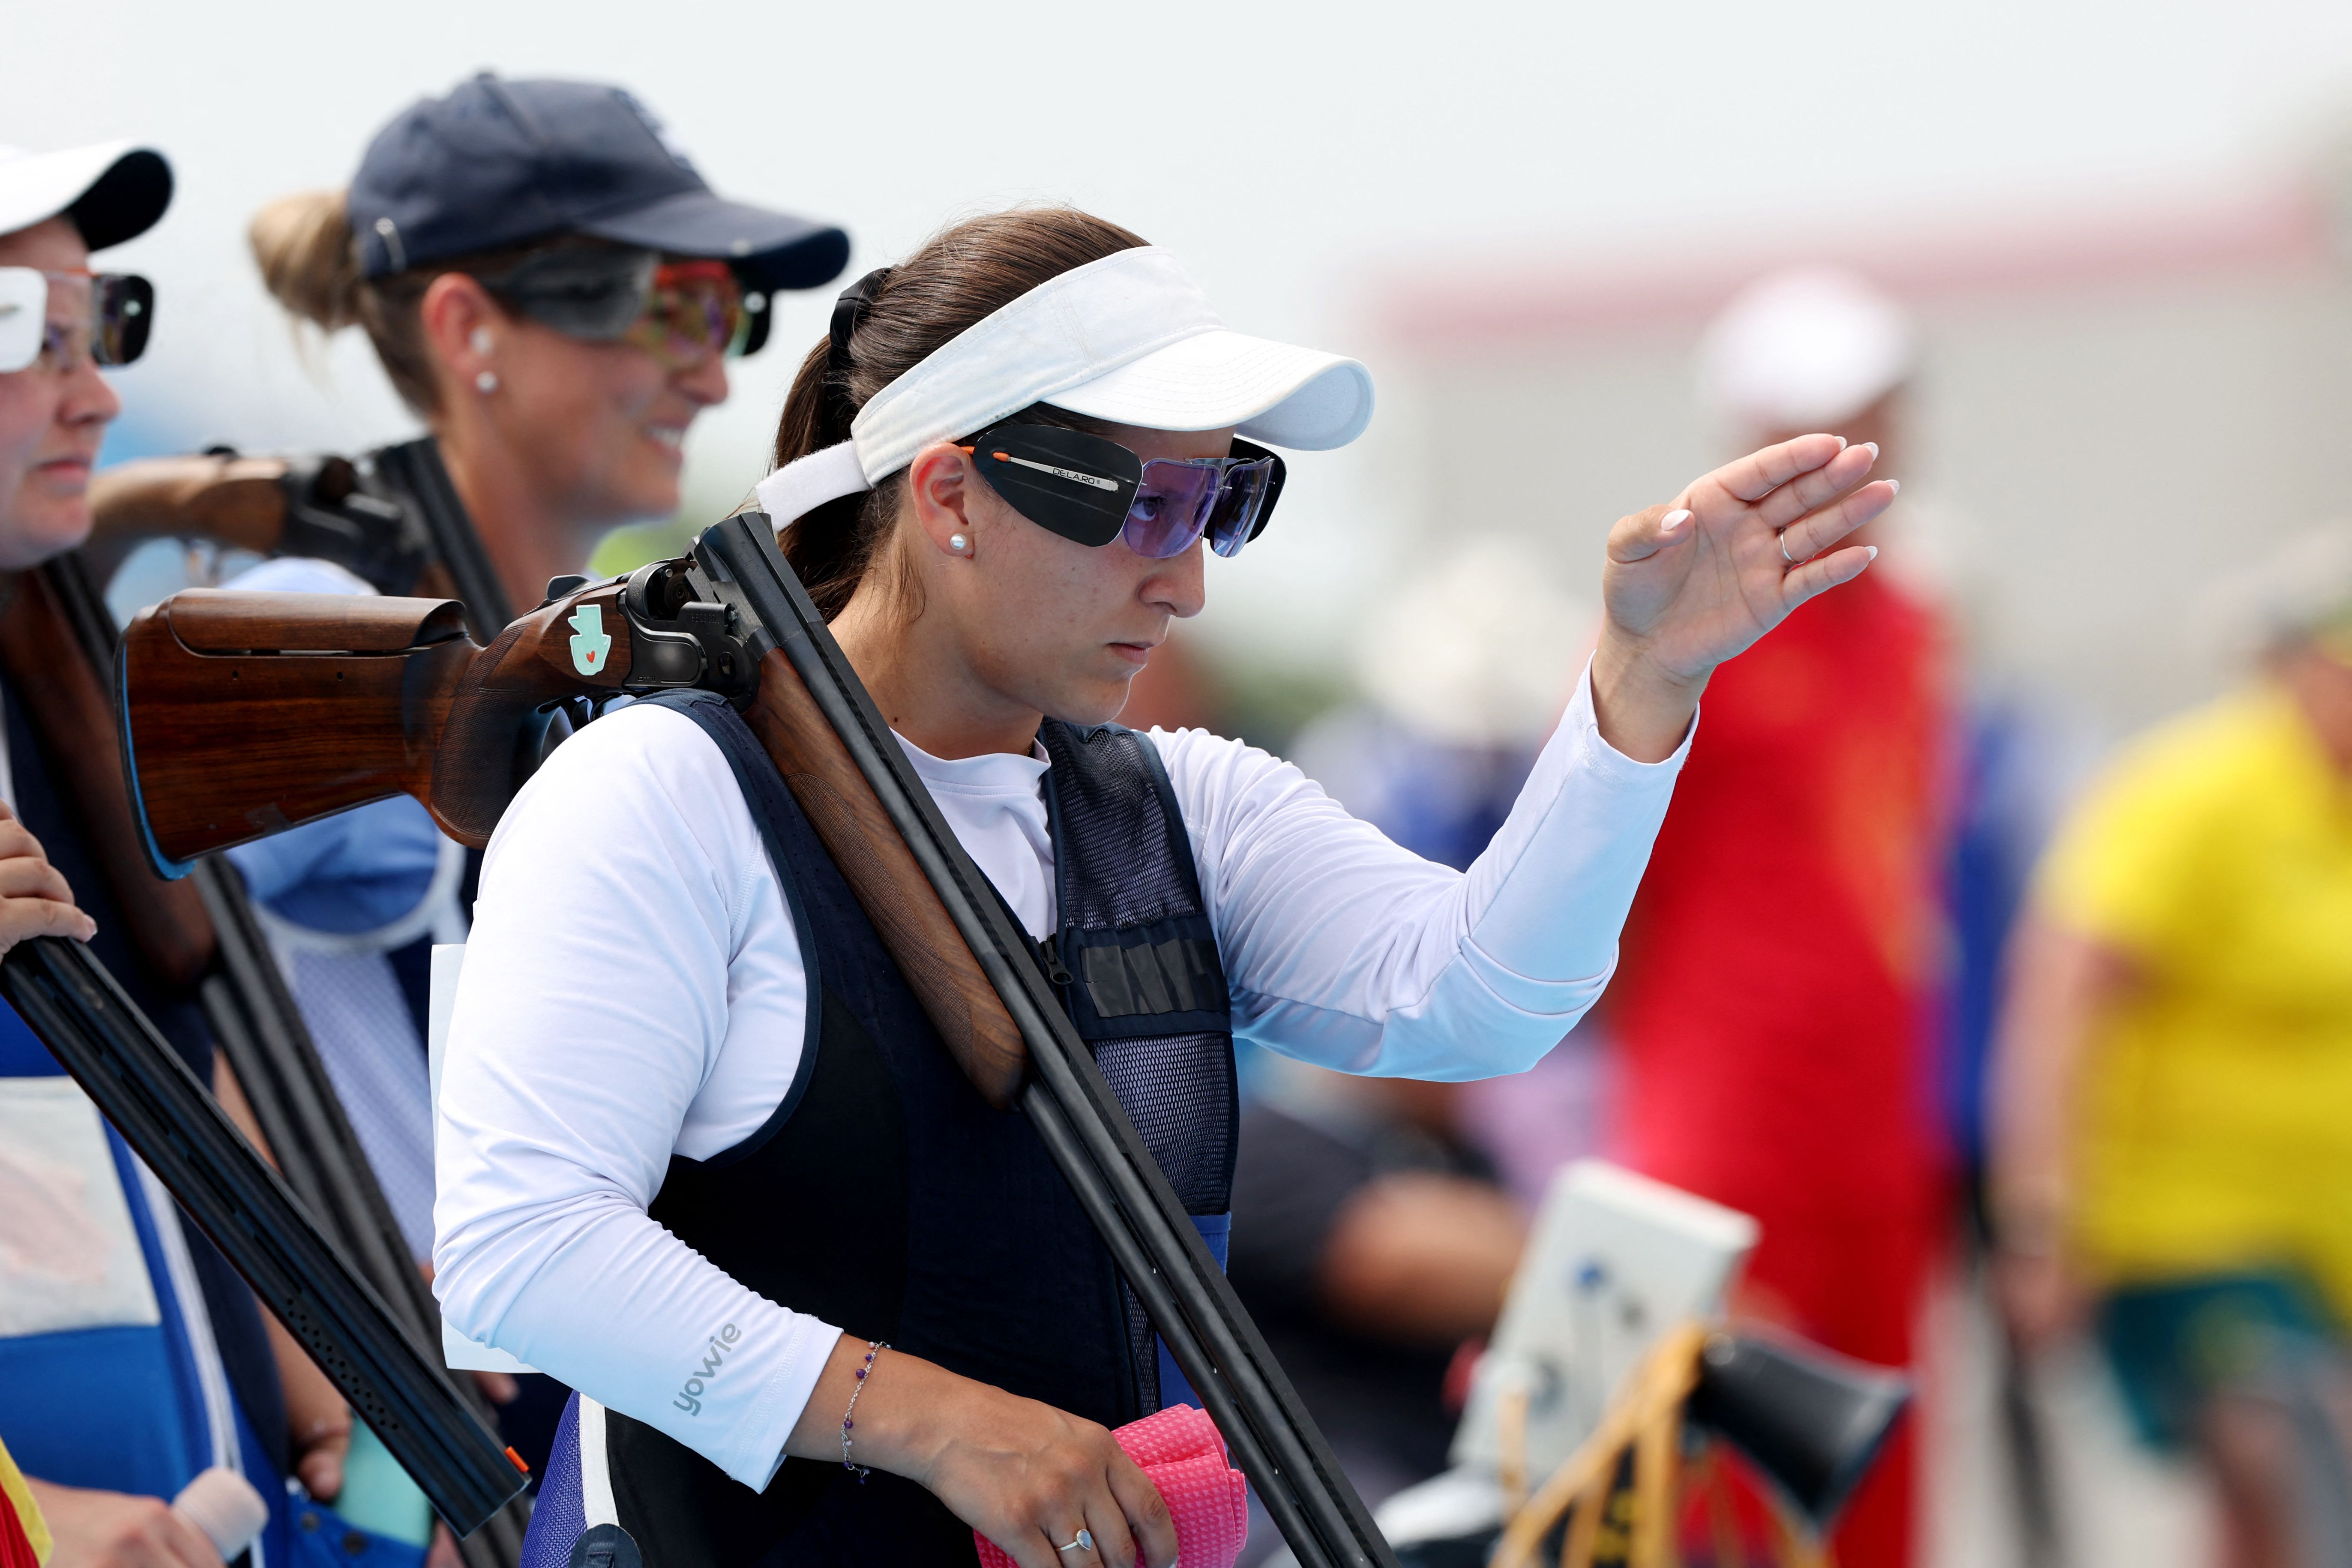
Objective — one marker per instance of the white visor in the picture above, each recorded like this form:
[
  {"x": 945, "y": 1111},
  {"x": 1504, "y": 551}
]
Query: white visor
[{"x": 1130, "y": 339}]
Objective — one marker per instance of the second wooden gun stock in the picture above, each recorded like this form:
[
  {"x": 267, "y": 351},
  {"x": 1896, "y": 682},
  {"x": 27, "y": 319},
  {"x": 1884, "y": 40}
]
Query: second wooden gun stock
[{"x": 891, "y": 887}]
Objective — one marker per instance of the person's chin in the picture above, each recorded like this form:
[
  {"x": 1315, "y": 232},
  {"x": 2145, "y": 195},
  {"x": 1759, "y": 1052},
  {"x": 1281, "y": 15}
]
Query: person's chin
[
  {"x": 40, "y": 527},
  {"x": 1099, "y": 702}
]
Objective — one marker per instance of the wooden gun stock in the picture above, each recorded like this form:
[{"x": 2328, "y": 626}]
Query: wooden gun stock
[
  {"x": 236, "y": 500},
  {"x": 881, "y": 871},
  {"x": 43, "y": 651},
  {"x": 308, "y": 506},
  {"x": 244, "y": 715}
]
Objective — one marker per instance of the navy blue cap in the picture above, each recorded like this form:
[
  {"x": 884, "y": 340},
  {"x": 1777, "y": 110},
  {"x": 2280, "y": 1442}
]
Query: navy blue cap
[{"x": 500, "y": 163}]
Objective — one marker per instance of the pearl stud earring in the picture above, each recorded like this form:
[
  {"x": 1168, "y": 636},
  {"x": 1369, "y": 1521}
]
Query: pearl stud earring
[
  {"x": 958, "y": 544},
  {"x": 487, "y": 382}
]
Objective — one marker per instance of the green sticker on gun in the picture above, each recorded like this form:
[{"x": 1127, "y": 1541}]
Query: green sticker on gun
[{"x": 590, "y": 641}]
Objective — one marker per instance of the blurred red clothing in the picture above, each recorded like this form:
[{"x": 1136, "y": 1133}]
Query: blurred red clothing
[{"x": 1772, "y": 1009}]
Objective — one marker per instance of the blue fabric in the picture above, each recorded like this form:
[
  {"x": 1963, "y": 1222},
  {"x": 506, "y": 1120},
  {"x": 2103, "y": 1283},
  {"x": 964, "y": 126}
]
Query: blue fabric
[
  {"x": 118, "y": 1408},
  {"x": 277, "y": 1540},
  {"x": 351, "y": 872},
  {"x": 22, "y": 1054},
  {"x": 318, "y": 1537},
  {"x": 558, "y": 1517},
  {"x": 1175, "y": 1388}
]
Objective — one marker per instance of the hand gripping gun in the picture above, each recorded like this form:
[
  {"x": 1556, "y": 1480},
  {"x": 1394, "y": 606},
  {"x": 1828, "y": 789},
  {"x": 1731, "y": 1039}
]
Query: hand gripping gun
[{"x": 246, "y": 713}]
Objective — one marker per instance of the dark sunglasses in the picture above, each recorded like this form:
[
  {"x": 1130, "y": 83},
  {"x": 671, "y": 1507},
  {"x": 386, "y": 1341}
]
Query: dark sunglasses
[
  {"x": 1092, "y": 489},
  {"x": 122, "y": 313},
  {"x": 681, "y": 312}
]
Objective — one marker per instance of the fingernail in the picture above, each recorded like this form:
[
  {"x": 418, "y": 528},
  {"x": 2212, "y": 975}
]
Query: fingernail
[
  {"x": 1871, "y": 448},
  {"x": 1894, "y": 485},
  {"x": 1841, "y": 441},
  {"x": 1673, "y": 520},
  {"x": 1872, "y": 550}
]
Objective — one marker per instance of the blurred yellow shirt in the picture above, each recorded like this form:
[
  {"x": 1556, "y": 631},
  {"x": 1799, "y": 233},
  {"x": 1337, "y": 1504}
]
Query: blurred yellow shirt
[{"x": 2216, "y": 1112}]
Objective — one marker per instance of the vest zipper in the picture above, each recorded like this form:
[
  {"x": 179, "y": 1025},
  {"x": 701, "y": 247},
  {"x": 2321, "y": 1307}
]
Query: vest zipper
[{"x": 1050, "y": 950}]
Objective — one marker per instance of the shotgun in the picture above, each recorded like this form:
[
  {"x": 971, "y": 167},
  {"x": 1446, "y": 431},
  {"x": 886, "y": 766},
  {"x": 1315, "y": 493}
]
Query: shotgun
[
  {"x": 200, "y": 936},
  {"x": 393, "y": 518},
  {"x": 77, "y": 1010},
  {"x": 245, "y": 713}
]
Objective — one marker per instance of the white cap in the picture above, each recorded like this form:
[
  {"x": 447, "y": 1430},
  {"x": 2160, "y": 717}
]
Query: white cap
[
  {"x": 1130, "y": 339},
  {"x": 1803, "y": 349},
  {"x": 113, "y": 191}
]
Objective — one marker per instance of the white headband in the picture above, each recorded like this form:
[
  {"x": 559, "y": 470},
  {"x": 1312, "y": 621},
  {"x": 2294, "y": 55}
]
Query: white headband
[{"x": 1130, "y": 339}]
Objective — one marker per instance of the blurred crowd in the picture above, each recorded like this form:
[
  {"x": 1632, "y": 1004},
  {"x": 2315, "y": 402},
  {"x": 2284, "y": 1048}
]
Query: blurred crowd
[{"x": 1938, "y": 1015}]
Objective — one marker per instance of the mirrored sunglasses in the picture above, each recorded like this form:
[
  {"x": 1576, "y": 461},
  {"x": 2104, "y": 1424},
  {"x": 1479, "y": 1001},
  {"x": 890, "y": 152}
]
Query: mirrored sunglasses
[
  {"x": 1090, "y": 489},
  {"x": 681, "y": 312},
  {"x": 112, "y": 332}
]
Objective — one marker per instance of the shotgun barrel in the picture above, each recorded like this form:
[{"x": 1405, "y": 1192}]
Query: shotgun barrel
[
  {"x": 1080, "y": 1121},
  {"x": 76, "y": 1008}
]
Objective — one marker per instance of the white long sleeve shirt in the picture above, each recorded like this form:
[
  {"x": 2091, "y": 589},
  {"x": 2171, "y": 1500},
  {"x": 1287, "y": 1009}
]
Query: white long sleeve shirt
[{"x": 634, "y": 990}]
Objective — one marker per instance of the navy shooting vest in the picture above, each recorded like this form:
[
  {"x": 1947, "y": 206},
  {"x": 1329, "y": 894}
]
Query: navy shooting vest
[{"x": 884, "y": 1195}]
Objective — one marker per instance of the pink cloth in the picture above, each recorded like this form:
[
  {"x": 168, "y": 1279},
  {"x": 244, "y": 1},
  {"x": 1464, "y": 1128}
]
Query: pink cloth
[{"x": 1179, "y": 1449}]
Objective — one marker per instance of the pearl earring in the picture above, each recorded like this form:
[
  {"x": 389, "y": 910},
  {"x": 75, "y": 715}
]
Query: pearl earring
[
  {"x": 958, "y": 544},
  {"x": 481, "y": 340},
  {"x": 487, "y": 382}
]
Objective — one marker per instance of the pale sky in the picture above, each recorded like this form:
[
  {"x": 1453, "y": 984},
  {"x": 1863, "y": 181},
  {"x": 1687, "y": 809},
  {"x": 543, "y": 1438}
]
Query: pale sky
[{"x": 1286, "y": 150}]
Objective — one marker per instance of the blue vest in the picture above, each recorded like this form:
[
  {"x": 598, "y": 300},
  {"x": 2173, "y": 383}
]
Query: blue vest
[{"x": 917, "y": 1213}]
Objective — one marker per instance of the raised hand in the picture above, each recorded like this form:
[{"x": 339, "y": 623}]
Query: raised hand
[{"x": 1690, "y": 583}]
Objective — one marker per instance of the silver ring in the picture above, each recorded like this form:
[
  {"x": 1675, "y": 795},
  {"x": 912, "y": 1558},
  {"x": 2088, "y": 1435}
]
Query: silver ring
[
  {"x": 1085, "y": 1543},
  {"x": 1783, "y": 537}
]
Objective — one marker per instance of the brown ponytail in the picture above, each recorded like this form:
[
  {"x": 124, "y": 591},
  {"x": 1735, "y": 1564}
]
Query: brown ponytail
[
  {"x": 310, "y": 262},
  {"x": 960, "y": 277}
]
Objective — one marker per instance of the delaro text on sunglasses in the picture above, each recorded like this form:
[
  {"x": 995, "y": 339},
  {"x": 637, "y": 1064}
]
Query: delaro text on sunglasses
[{"x": 1090, "y": 489}]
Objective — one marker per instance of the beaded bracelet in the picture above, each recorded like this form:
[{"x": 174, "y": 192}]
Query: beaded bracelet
[{"x": 873, "y": 1348}]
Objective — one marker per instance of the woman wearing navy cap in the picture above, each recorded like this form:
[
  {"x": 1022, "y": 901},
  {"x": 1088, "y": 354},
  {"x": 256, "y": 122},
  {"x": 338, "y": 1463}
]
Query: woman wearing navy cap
[
  {"x": 701, "y": 1155},
  {"x": 554, "y": 290}
]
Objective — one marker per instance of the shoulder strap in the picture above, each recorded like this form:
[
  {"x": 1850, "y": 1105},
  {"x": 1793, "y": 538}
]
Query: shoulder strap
[{"x": 416, "y": 469}]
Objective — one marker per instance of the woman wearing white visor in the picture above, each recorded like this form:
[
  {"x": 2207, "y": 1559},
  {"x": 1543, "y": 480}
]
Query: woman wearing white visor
[{"x": 701, "y": 1157}]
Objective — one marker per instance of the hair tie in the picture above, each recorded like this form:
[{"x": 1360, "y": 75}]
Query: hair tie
[{"x": 850, "y": 310}]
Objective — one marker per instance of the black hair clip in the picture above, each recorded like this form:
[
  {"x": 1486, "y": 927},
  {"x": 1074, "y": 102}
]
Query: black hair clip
[{"x": 848, "y": 310}]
